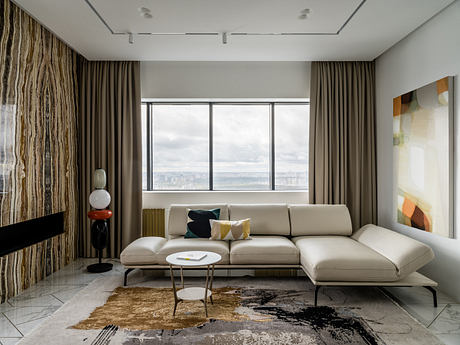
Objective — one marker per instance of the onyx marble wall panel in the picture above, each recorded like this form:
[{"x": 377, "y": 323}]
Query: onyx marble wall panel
[{"x": 38, "y": 118}]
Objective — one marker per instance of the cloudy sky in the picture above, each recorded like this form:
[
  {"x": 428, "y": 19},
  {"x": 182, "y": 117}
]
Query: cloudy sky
[{"x": 241, "y": 138}]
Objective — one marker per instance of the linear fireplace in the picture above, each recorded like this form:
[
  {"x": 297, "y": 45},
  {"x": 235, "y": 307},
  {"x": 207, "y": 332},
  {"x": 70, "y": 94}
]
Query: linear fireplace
[{"x": 20, "y": 235}]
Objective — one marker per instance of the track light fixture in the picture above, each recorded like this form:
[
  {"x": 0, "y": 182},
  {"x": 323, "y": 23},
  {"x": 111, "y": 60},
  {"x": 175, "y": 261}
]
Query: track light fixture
[
  {"x": 304, "y": 13},
  {"x": 131, "y": 38},
  {"x": 224, "y": 38}
]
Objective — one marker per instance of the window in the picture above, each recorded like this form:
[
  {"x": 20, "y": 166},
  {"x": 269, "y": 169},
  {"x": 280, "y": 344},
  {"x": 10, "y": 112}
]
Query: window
[
  {"x": 180, "y": 146},
  {"x": 291, "y": 146},
  {"x": 225, "y": 146},
  {"x": 241, "y": 147}
]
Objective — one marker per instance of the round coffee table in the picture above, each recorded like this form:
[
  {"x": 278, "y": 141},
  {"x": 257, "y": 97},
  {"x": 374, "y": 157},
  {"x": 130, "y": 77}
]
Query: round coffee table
[{"x": 193, "y": 293}]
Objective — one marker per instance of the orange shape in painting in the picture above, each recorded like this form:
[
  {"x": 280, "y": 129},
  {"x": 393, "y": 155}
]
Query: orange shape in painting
[
  {"x": 408, "y": 208},
  {"x": 427, "y": 223},
  {"x": 442, "y": 85},
  {"x": 397, "y": 106},
  {"x": 100, "y": 214}
]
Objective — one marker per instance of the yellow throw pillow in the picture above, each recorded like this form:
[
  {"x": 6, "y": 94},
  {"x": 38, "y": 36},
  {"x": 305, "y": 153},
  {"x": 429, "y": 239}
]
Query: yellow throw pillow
[{"x": 228, "y": 230}]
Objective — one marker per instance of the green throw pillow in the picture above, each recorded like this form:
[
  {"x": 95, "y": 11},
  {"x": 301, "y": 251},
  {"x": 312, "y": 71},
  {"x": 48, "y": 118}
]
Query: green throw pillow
[{"x": 198, "y": 222}]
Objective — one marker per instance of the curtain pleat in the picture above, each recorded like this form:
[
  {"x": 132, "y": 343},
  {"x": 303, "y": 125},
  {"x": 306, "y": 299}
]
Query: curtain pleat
[
  {"x": 110, "y": 138},
  {"x": 342, "y": 159}
]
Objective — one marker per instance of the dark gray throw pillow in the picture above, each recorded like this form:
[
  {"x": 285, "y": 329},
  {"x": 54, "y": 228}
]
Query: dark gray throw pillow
[{"x": 198, "y": 222}]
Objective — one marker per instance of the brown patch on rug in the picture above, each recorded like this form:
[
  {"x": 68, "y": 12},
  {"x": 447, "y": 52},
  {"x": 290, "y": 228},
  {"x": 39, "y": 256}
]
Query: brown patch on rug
[{"x": 142, "y": 308}]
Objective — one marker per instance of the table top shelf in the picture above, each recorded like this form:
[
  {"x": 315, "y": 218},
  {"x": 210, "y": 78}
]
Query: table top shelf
[{"x": 193, "y": 294}]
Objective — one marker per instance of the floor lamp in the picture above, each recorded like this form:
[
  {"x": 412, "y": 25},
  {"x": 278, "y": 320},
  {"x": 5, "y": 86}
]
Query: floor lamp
[{"x": 99, "y": 199}]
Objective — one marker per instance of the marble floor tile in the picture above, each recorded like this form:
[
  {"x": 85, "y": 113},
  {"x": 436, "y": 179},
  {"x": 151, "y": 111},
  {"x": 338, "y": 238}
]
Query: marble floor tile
[
  {"x": 7, "y": 328},
  {"x": 38, "y": 290},
  {"x": 417, "y": 295},
  {"x": 449, "y": 339},
  {"x": 27, "y": 327},
  {"x": 69, "y": 278},
  {"x": 9, "y": 341},
  {"x": 448, "y": 321},
  {"x": 66, "y": 293},
  {"x": 27, "y": 314},
  {"x": 5, "y": 307},
  {"x": 424, "y": 313},
  {"x": 25, "y": 300}
]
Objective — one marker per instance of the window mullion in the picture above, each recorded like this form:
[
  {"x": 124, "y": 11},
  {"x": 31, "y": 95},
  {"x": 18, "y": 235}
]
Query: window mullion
[
  {"x": 211, "y": 161},
  {"x": 149, "y": 147},
  {"x": 272, "y": 146}
]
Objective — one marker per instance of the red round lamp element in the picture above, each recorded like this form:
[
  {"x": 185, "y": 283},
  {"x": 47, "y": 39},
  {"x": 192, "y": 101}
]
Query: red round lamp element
[{"x": 100, "y": 214}]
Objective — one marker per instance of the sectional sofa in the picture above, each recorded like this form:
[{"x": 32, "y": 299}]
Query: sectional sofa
[{"x": 315, "y": 238}]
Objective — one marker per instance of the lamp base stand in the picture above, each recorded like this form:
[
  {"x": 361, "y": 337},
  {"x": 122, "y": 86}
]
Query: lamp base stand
[
  {"x": 99, "y": 267},
  {"x": 99, "y": 240}
]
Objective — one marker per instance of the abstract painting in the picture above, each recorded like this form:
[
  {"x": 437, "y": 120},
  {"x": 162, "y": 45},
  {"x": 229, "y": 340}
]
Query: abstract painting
[{"x": 423, "y": 158}]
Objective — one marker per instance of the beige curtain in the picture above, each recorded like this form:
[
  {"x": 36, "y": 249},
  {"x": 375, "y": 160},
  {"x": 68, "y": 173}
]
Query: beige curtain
[
  {"x": 342, "y": 138},
  {"x": 110, "y": 138}
]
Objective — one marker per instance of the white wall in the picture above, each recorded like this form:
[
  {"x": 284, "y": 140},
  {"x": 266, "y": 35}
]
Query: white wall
[
  {"x": 165, "y": 199},
  {"x": 218, "y": 79},
  {"x": 428, "y": 54}
]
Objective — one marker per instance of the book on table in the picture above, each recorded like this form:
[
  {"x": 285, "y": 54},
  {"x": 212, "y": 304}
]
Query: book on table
[{"x": 192, "y": 256}]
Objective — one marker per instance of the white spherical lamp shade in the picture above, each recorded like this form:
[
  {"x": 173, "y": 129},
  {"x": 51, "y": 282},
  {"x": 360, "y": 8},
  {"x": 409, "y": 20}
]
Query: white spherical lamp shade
[{"x": 99, "y": 199}]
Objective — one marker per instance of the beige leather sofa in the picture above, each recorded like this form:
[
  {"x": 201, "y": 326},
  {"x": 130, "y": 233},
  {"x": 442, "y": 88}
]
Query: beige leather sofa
[{"x": 315, "y": 238}]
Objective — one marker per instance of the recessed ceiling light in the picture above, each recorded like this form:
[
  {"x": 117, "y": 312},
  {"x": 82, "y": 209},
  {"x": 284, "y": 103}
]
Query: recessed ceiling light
[
  {"x": 305, "y": 11},
  {"x": 146, "y": 15},
  {"x": 144, "y": 10},
  {"x": 303, "y": 16}
]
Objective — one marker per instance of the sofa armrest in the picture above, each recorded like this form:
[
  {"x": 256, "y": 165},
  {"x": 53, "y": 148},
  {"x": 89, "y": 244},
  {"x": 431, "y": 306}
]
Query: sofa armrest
[
  {"x": 407, "y": 254},
  {"x": 143, "y": 251}
]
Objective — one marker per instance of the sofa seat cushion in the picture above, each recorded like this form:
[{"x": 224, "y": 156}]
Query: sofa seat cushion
[
  {"x": 340, "y": 258},
  {"x": 143, "y": 251},
  {"x": 269, "y": 250},
  {"x": 181, "y": 244}
]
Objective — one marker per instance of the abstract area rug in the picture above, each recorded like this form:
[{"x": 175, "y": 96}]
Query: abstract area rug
[
  {"x": 247, "y": 311},
  {"x": 236, "y": 316}
]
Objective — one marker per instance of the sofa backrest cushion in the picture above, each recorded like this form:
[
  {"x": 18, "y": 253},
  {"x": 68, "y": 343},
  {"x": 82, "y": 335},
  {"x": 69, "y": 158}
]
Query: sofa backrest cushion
[
  {"x": 407, "y": 254},
  {"x": 177, "y": 219},
  {"x": 266, "y": 219},
  {"x": 320, "y": 220}
]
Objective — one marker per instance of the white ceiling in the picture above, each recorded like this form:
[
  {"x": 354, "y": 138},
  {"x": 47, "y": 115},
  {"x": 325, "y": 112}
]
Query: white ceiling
[
  {"x": 257, "y": 30},
  {"x": 180, "y": 16}
]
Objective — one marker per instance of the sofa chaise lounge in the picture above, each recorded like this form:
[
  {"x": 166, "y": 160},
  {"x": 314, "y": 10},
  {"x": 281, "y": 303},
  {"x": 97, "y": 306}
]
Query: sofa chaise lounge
[{"x": 315, "y": 238}]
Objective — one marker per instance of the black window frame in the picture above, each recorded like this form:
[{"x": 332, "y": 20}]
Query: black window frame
[{"x": 271, "y": 104}]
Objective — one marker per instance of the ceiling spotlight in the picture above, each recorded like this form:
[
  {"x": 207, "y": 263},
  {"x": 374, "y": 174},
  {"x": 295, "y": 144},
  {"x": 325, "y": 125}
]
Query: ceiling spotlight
[
  {"x": 131, "y": 38},
  {"x": 224, "y": 38},
  {"x": 304, "y": 14},
  {"x": 146, "y": 15},
  {"x": 143, "y": 9}
]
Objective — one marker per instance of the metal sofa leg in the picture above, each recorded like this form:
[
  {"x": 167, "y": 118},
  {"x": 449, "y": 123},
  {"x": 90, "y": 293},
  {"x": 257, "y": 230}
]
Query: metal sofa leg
[
  {"x": 316, "y": 294},
  {"x": 435, "y": 298},
  {"x": 126, "y": 276}
]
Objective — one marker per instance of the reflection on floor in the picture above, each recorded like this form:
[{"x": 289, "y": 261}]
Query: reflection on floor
[{"x": 19, "y": 315}]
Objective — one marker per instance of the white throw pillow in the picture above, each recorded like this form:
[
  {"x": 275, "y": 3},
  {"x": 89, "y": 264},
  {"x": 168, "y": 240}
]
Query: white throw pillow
[{"x": 229, "y": 230}]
